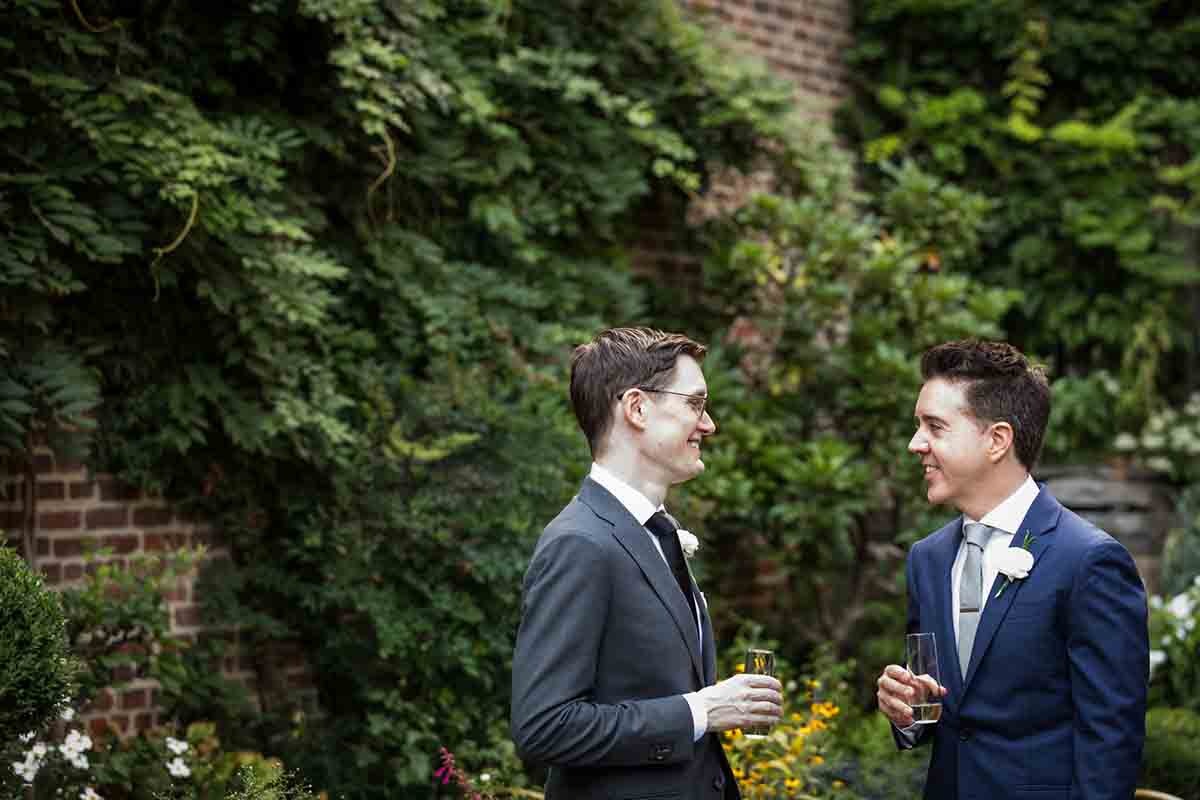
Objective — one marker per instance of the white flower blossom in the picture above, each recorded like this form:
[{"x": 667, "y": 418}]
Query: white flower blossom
[
  {"x": 1180, "y": 606},
  {"x": 484, "y": 777},
  {"x": 89, "y": 794},
  {"x": 28, "y": 737},
  {"x": 68, "y": 714},
  {"x": 1157, "y": 657},
  {"x": 176, "y": 746},
  {"x": 178, "y": 768}
]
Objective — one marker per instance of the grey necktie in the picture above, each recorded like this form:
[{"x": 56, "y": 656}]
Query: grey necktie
[{"x": 970, "y": 591}]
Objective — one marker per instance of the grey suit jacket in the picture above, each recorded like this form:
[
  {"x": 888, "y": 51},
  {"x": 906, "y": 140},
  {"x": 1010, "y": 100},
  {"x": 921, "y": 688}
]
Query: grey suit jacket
[{"x": 606, "y": 649}]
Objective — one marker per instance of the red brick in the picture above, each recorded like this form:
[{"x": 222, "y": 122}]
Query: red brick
[
  {"x": 143, "y": 722},
  {"x": 299, "y": 680},
  {"x": 119, "y": 721},
  {"x": 52, "y": 573},
  {"x": 187, "y": 616},
  {"x": 43, "y": 546},
  {"x": 72, "y": 572},
  {"x": 66, "y": 548},
  {"x": 166, "y": 540},
  {"x": 82, "y": 489},
  {"x": 114, "y": 490},
  {"x": 51, "y": 490},
  {"x": 98, "y": 727},
  {"x": 134, "y": 698},
  {"x": 102, "y": 702},
  {"x": 122, "y": 544},
  {"x": 59, "y": 520},
  {"x": 152, "y": 517},
  {"x": 43, "y": 463},
  {"x": 112, "y": 517}
]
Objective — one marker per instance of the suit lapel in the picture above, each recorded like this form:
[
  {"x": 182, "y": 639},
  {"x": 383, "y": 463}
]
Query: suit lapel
[
  {"x": 636, "y": 541},
  {"x": 1040, "y": 521},
  {"x": 942, "y": 562}
]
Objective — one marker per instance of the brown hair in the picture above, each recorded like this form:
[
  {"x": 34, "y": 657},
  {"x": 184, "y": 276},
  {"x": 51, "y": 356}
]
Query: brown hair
[
  {"x": 618, "y": 359},
  {"x": 1001, "y": 386}
]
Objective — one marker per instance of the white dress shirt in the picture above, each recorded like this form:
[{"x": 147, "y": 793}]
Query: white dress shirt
[
  {"x": 642, "y": 509},
  {"x": 1004, "y": 520}
]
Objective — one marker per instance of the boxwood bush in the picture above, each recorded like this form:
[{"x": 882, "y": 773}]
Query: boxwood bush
[{"x": 37, "y": 670}]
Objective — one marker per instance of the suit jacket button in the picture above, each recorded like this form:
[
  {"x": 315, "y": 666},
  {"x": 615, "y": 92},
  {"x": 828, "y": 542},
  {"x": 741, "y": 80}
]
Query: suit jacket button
[
  {"x": 964, "y": 734},
  {"x": 719, "y": 782}
]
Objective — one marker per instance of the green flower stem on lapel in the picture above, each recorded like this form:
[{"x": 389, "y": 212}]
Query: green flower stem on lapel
[{"x": 1016, "y": 563}]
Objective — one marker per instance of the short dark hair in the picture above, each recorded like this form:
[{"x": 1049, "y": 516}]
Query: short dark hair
[
  {"x": 1001, "y": 386},
  {"x": 618, "y": 359}
]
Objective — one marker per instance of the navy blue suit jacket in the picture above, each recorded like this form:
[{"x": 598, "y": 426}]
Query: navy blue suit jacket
[{"x": 1053, "y": 703}]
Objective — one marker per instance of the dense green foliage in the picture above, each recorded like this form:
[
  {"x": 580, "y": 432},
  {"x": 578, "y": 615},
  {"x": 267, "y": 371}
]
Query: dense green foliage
[
  {"x": 832, "y": 306},
  {"x": 1080, "y": 121},
  {"x": 1170, "y": 762},
  {"x": 323, "y": 261},
  {"x": 37, "y": 671}
]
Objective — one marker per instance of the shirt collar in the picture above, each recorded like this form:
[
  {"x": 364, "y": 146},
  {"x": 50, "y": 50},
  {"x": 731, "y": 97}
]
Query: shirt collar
[
  {"x": 634, "y": 501},
  {"x": 1007, "y": 516}
]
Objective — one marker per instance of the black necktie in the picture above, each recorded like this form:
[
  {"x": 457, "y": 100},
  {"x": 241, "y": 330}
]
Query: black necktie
[{"x": 664, "y": 527}]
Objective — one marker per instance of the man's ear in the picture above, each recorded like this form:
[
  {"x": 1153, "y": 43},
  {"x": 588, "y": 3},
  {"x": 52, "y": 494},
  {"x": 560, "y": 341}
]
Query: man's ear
[
  {"x": 633, "y": 409},
  {"x": 1000, "y": 441}
]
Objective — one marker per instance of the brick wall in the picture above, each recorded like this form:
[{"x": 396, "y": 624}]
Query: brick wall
[
  {"x": 77, "y": 509},
  {"x": 801, "y": 40}
]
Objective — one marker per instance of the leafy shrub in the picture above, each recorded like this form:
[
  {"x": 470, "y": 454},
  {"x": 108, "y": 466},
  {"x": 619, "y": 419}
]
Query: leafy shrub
[
  {"x": 1181, "y": 552},
  {"x": 822, "y": 300},
  {"x": 37, "y": 672},
  {"x": 1171, "y": 761},
  {"x": 1064, "y": 116},
  {"x": 1175, "y": 648},
  {"x": 119, "y": 631}
]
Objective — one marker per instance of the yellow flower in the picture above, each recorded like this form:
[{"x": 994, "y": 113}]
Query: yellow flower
[
  {"x": 818, "y": 725},
  {"x": 797, "y": 717},
  {"x": 739, "y": 773},
  {"x": 740, "y": 668},
  {"x": 817, "y": 761},
  {"x": 838, "y": 785},
  {"x": 792, "y": 783}
]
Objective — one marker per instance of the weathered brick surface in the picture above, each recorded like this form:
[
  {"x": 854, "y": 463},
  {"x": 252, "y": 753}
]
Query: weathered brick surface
[
  {"x": 77, "y": 512},
  {"x": 802, "y": 40}
]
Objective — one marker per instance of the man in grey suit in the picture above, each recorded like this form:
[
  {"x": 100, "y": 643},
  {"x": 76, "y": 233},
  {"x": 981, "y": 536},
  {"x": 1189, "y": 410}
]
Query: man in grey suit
[{"x": 614, "y": 668}]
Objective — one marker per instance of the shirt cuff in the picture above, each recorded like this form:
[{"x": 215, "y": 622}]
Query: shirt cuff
[{"x": 699, "y": 715}]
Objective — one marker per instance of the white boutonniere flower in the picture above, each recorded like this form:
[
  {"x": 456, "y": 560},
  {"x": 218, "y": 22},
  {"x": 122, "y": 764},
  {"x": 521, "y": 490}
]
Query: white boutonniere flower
[
  {"x": 688, "y": 542},
  {"x": 1014, "y": 563}
]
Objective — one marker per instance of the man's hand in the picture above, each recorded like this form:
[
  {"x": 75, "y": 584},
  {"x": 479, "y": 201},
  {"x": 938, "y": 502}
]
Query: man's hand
[
  {"x": 742, "y": 701},
  {"x": 897, "y": 689}
]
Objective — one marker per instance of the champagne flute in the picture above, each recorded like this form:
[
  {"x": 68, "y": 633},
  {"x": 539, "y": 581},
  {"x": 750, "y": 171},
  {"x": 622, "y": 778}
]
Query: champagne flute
[{"x": 921, "y": 660}]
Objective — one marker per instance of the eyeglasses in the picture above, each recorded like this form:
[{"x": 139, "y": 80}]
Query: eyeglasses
[{"x": 697, "y": 402}]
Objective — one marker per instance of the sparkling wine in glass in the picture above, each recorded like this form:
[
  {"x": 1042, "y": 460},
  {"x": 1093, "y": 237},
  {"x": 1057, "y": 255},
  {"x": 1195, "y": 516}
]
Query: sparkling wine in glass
[
  {"x": 759, "y": 662},
  {"x": 921, "y": 660}
]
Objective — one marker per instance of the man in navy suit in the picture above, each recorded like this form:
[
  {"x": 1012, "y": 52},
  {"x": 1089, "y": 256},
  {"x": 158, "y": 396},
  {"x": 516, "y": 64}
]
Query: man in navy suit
[
  {"x": 1044, "y": 656},
  {"x": 614, "y": 667}
]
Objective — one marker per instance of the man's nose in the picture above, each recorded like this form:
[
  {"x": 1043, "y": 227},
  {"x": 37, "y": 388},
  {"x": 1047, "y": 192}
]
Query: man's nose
[
  {"x": 918, "y": 444},
  {"x": 708, "y": 425}
]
